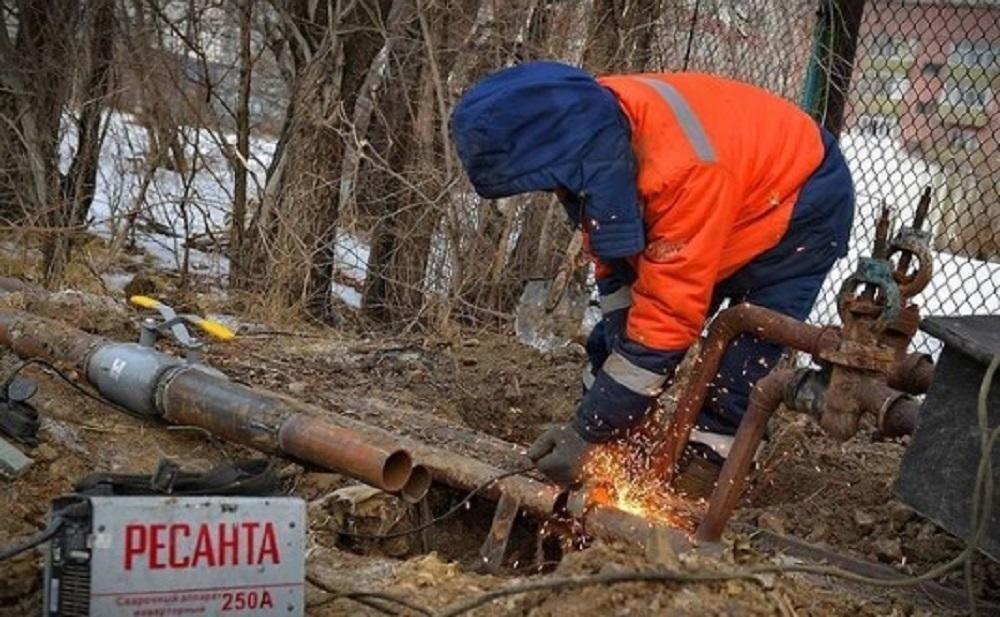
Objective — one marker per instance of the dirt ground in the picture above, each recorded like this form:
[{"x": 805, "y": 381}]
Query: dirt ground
[{"x": 836, "y": 495}]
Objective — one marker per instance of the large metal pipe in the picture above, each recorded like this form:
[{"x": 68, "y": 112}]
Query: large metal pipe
[
  {"x": 146, "y": 381},
  {"x": 310, "y": 439},
  {"x": 762, "y": 323},
  {"x": 30, "y": 336},
  {"x": 190, "y": 395}
]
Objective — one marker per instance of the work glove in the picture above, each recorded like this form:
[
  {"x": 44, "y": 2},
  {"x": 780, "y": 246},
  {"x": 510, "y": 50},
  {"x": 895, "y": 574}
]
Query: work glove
[
  {"x": 560, "y": 453},
  {"x": 624, "y": 389}
]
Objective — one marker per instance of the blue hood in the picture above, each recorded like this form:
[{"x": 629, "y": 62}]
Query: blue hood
[{"x": 541, "y": 125}]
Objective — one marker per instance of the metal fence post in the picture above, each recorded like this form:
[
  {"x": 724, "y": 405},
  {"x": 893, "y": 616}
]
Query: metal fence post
[{"x": 835, "y": 41}]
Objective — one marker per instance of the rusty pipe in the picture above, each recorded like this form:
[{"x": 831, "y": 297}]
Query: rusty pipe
[
  {"x": 417, "y": 485},
  {"x": 899, "y": 418},
  {"x": 271, "y": 423},
  {"x": 258, "y": 421},
  {"x": 896, "y": 412},
  {"x": 766, "y": 397},
  {"x": 30, "y": 336},
  {"x": 913, "y": 374},
  {"x": 310, "y": 439},
  {"x": 193, "y": 395},
  {"x": 763, "y": 323}
]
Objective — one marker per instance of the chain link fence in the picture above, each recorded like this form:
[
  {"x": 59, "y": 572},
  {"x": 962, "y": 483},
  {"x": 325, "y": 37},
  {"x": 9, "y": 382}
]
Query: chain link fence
[{"x": 921, "y": 110}]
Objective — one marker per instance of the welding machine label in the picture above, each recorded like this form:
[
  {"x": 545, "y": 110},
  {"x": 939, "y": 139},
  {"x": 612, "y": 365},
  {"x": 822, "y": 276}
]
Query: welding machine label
[{"x": 161, "y": 556}]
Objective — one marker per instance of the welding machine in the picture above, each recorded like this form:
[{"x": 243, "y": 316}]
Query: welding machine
[{"x": 164, "y": 555}]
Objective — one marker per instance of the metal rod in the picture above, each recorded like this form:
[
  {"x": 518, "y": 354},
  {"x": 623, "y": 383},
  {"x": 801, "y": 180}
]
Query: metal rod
[
  {"x": 491, "y": 553},
  {"x": 764, "y": 324},
  {"x": 765, "y": 399},
  {"x": 923, "y": 205}
]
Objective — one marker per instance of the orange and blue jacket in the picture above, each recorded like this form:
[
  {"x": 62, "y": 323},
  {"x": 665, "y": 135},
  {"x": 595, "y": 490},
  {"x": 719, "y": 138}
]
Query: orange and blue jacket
[
  {"x": 720, "y": 165},
  {"x": 684, "y": 176}
]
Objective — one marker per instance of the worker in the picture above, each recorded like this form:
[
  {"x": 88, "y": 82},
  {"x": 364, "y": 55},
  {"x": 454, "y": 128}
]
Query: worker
[{"x": 691, "y": 190}]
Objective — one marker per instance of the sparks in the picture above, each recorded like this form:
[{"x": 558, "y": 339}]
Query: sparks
[{"x": 619, "y": 475}]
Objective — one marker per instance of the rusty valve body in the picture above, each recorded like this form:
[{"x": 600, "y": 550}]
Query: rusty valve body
[{"x": 864, "y": 364}]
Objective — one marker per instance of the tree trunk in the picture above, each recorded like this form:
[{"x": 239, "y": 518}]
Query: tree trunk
[
  {"x": 80, "y": 183},
  {"x": 238, "y": 223},
  {"x": 418, "y": 153},
  {"x": 296, "y": 228},
  {"x": 35, "y": 80},
  {"x": 398, "y": 255}
]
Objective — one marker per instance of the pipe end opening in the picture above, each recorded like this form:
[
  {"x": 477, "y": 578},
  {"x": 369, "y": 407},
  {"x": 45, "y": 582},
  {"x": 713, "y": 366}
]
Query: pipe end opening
[
  {"x": 396, "y": 470},
  {"x": 417, "y": 486}
]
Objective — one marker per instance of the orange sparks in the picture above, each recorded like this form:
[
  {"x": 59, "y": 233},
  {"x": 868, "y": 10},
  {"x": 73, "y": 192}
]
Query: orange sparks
[{"x": 618, "y": 475}]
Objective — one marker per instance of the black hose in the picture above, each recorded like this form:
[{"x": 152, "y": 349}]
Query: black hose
[{"x": 32, "y": 541}]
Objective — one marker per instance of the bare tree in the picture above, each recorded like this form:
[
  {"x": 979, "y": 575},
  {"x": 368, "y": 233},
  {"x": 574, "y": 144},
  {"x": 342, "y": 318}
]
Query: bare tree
[
  {"x": 240, "y": 171},
  {"x": 419, "y": 149},
  {"x": 331, "y": 47},
  {"x": 80, "y": 182},
  {"x": 35, "y": 80},
  {"x": 620, "y": 35}
]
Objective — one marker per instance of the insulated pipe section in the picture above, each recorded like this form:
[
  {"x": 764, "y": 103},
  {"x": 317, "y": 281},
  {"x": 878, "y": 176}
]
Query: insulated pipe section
[
  {"x": 128, "y": 374},
  {"x": 763, "y": 323},
  {"x": 312, "y": 440}
]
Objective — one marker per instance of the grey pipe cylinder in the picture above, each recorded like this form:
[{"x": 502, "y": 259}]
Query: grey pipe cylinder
[{"x": 128, "y": 374}]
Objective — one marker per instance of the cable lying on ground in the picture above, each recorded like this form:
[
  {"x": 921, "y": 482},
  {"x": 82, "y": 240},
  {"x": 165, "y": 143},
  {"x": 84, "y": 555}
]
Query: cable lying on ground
[
  {"x": 371, "y": 599},
  {"x": 32, "y": 541},
  {"x": 46, "y": 365},
  {"x": 443, "y": 517}
]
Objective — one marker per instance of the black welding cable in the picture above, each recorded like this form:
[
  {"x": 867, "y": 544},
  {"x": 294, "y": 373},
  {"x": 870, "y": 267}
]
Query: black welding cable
[
  {"x": 372, "y": 599},
  {"x": 437, "y": 519},
  {"x": 45, "y": 364},
  {"x": 32, "y": 541}
]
